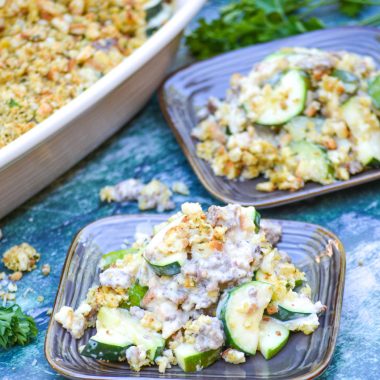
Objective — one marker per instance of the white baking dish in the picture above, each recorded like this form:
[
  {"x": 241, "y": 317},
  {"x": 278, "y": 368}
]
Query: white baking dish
[{"x": 42, "y": 154}]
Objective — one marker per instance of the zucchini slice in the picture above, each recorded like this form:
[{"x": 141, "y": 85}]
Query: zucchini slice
[
  {"x": 374, "y": 91},
  {"x": 365, "y": 127},
  {"x": 349, "y": 80},
  {"x": 191, "y": 360},
  {"x": 265, "y": 277},
  {"x": 110, "y": 258},
  {"x": 294, "y": 307},
  {"x": 313, "y": 162},
  {"x": 164, "y": 265},
  {"x": 287, "y": 99},
  {"x": 300, "y": 127},
  {"x": 358, "y": 118},
  {"x": 117, "y": 330},
  {"x": 272, "y": 338},
  {"x": 135, "y": 295},
  {"x": 256, "y": 216},
  {"x": 152, "y": 341},
  {"x": 153, "y": 8},
  {"x": 112, "y": 338},
  {"x": 168, "y": 266},
  {"x": 241, "y": 313},
  {"x": 159, "y": 19},
  {"x": 368, "y": 150}
]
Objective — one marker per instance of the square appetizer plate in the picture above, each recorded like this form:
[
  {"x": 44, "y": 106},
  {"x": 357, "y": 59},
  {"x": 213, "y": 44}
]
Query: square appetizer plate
[
  {"x": 188, "y": 89},
  {"x": 315, "y": 250}
]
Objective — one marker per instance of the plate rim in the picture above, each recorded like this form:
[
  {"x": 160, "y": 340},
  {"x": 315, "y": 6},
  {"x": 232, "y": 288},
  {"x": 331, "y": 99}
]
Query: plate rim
[
  {"x": 338, "y": 301},
  {"x": 286, "y": 197}
]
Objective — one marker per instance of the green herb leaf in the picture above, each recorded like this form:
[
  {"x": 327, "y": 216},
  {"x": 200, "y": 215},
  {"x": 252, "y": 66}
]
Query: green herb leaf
[
  {"x": 247, "y": 22},
  {"x": 12, "y": 103},
  {"x": 15, "y": 327}
]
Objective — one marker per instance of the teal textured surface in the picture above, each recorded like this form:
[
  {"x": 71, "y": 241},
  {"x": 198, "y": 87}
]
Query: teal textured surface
[{"x": 146, "y": 148}]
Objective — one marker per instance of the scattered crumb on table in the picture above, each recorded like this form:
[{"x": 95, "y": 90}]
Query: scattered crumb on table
[
  {"x": 153, "y": 195},
  {"x": 21, "y": 258}
]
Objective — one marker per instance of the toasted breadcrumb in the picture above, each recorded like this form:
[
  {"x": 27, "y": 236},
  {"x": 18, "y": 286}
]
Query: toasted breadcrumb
[
  {"x": 12, "y": 288},
  {"x": 21, "y": 258},
  {"x": 45, "y": 269},
  {"x": 180, "y": 188},
  {"x": 153, "y": 195},
  {"x": 74, "y": 321},
  {"x": 233, "y": 356},
  {"x": 16, "y": 276}
]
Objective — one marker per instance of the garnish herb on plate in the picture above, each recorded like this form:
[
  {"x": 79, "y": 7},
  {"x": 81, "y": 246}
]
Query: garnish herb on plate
[
  {"x": 15, "y": 327},
  {"x": 247, "y": 22}
]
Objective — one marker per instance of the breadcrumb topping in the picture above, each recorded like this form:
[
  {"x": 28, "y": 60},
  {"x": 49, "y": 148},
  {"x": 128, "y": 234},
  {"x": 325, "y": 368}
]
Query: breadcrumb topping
[
  {"x": 52, "y": 51},
  {"x": 21, "y": 258}
]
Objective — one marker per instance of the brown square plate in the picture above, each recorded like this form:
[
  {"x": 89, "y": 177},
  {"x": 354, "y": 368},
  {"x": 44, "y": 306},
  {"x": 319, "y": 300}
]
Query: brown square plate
[
  {"x": 304, "y": 357},
  {"x": 188, "y": 89}
]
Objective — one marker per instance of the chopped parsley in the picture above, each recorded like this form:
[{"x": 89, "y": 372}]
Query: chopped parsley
[
  {"x": 246, "y": 22},
  {"x": 15, "y": 327},
  {"x": 12, "y": 103}
]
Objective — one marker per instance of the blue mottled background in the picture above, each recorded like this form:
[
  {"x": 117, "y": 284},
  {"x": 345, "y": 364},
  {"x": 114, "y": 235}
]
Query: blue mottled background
[{"x": 50, "y": 220}]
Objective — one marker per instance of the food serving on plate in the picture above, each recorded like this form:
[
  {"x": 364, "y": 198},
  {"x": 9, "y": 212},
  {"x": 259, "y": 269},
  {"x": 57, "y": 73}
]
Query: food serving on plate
[
  {"x": 52, "y": 51},
  {"x": 206, "y": 285},
  {"x": 300, "y": 115}
]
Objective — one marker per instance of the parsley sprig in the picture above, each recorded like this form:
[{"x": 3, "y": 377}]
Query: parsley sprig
[
  {"x": 247, "y": 22},
  {"x": 15, "y": 327}
]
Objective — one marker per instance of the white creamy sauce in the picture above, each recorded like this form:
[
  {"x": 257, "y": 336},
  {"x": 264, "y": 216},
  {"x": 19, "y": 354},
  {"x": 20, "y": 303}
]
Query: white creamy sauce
[
  {"x": 210, "y": 336},
  {"x": 116, "y": 278}
]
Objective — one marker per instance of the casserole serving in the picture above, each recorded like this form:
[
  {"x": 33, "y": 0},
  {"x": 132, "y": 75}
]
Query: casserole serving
[
  {"x": 187, "y": 91},
  {"x": 314, "y": 250}
]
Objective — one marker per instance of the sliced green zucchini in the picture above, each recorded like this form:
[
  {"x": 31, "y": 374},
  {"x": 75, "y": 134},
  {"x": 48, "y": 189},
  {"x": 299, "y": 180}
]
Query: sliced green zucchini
[
  {"x": 296, "y": 306},
  {"x": 112, "y": 338},
  {"x": 350, "y": 81},
  {"x": 306, "y": 324},
  {"x": 287, "y": 99},
  {"x": 164, "y": 265},
  {"x": 251, "y": 213},
  {"x": 366, "y": 130},
  {"x": 159, "y": 19},
  {"x": 256, "y": 216},
  {"x": 272, "y": 338},
  {"x": 300, "y": 127},
  {"x": 313, "y": 162},
  {"x": 169, "y": 265},
  {"x": 287, "y": 315},
  {"x": 357, "y": 117},
  {"x": 264, "y": 277},
  {"x": 374, "y": 91},
  {"x": 368, "y": 149},
  {"x": 152, "y": 341},
  {"x": 241, "y": 313},
  {"x": 117, "y": 330},
  {"x": 153, "y": 8},
  {"x": 110, "y": 258},
  {"x": 135, "y": 295},
  {"x": 191, "y": 360}
]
